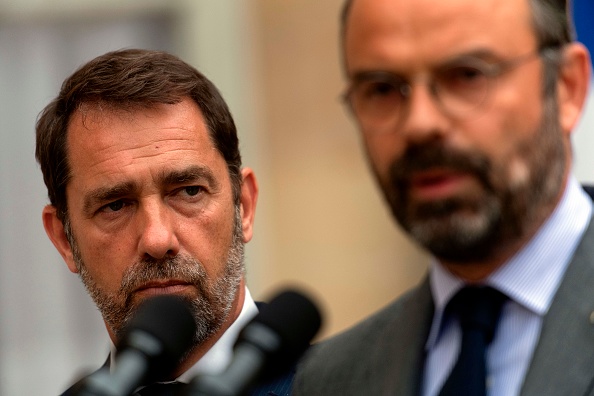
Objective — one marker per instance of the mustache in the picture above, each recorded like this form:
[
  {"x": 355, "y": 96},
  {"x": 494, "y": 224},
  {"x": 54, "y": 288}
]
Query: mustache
[
  {"x": 181, "y": 267},
  {"x": 420, "y": 157}
]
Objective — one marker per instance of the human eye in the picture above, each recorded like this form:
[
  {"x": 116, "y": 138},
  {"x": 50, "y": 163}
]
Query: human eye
[
  {"x": 192, "y": 191},
  {"x": 462, "y": 77},
  {"x": 115, "y": 206},
  {"x": 377, "y": 94},
  {"x": 188, "y": 193},
  {"x": 377, "y": 89},
  {"x": 463, "y": 73},
  {"x": 187, "y": 199}
]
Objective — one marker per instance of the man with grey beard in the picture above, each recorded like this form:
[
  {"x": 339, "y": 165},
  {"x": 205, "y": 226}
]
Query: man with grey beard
[
  {"x": 466, "y": 110},
  {"x": 148, "y": 196}
]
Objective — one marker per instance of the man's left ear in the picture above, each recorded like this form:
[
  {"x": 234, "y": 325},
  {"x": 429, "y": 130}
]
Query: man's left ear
[
  {"x": 249, "y": 197},
  {"x": 572, "y": 85}
]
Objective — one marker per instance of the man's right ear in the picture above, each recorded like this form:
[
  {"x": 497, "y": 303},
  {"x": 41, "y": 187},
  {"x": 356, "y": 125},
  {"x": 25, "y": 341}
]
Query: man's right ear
[{"x": 54, "y": 228}]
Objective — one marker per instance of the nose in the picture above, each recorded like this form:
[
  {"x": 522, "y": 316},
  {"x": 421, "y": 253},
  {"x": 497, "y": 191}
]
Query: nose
[
  {"x": 158, "y": 237},
  {"x": 424, "y": 119}
]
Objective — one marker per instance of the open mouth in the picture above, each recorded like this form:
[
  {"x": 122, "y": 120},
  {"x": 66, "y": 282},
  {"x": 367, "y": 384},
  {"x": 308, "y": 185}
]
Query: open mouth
[{"x": 437, "y": 183}]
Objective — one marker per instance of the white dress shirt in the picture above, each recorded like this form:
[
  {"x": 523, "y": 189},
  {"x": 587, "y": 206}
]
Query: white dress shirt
[{"x": 530, "y": 279}]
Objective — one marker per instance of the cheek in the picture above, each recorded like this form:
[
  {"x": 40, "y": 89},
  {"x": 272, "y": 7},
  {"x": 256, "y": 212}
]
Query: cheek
[
  {"x": 105, "y": 260},
  {"x": 208, "y": 239},
  {"x": 507, "y": 132},
  {"x": 518, "y": 172},
  {"x": 382, "y": 151},
  {"x": 510, "y": 166},
  {"x": 516, "y": 105}
]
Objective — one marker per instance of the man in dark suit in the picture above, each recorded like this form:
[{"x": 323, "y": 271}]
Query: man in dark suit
[
  {"x": 466, "y": 109},
  {"x": 148, "y": 196}
]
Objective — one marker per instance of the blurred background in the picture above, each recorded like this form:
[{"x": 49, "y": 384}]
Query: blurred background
[{"x": 321, "y": 224}]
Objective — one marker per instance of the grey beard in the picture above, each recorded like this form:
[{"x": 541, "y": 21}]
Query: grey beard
[{"x": 210, "y": 309}]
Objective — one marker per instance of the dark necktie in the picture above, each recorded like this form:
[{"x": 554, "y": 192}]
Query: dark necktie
[
  {"x": 478, "y": 310},
  {"x": 166, "y": 389}
]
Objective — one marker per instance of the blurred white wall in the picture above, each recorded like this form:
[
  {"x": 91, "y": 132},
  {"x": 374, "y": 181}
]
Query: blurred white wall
[
  {"x": 320, "y": 221},
  {"x": 583, "y": 141}
]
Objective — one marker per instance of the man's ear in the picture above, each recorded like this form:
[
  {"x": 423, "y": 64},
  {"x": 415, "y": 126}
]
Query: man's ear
[
  {"x": 54, "y": 229},
  {"x": 249, "y": 197},
  {"x": 572, "y": 85}
]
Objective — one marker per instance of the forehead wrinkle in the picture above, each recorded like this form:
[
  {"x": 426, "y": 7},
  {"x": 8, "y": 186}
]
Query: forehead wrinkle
[
  {"x": 419, "y": 32},
  {"x": 183, "y": 137}
]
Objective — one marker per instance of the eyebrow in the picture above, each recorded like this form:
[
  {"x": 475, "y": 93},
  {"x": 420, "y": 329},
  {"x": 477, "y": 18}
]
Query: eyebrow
[
  {"x": 191, "y": 174},
  {"x": 106, "y": 194},
  {"x": 477, "y": 53}
]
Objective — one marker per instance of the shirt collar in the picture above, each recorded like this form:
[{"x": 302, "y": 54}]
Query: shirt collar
[
  {"x": 531, "y": 277},
  {"x": 219, "y": 356}
]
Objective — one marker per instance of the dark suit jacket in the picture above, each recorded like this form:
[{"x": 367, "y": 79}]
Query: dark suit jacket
[
  {"x": 384, "y": 355},
  {"x": 279, "y": 385}
]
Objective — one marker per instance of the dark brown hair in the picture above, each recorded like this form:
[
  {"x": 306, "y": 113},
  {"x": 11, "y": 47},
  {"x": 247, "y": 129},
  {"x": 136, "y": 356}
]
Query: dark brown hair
[{"x": 130, "y": 79}]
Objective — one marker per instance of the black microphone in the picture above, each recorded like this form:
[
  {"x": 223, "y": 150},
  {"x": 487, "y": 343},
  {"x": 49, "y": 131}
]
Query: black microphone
[
  {"x": 268, "y": 345},
  {"x": 158, "y": 335}
]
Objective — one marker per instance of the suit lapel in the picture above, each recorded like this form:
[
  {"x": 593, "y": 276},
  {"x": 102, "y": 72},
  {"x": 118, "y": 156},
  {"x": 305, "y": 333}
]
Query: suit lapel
[
  {"x": 563, "y": 362},
  {"x": 408, "y": 337}
]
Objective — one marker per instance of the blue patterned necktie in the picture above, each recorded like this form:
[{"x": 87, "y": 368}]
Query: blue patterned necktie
[{"x": 478, "y": 310}]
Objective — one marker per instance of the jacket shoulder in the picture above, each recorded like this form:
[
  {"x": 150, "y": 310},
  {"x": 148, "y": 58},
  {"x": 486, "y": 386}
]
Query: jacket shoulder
[{"x": 365, "y": 357}]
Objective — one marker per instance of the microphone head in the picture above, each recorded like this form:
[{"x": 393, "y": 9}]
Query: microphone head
[
  {"x": 293, "y": 319},
  {"x": 163, "y": 328}
]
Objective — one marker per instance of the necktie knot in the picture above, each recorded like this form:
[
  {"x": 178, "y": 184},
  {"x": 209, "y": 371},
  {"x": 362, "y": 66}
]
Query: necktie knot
[{"x": 478, "y": 309}]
